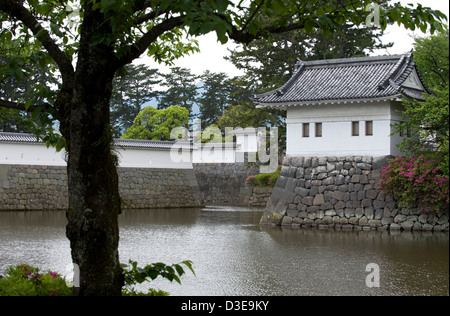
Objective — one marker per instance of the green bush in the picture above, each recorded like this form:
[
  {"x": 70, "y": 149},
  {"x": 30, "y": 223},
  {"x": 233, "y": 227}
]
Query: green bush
[
  {"x": 263, "y": 180},
  {"x": 25, "y": 280},
  {"x": 134, "y": 274}
]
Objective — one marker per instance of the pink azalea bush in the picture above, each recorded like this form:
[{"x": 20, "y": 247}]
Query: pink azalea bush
[
  {"x": 25, "y": 280},
  {"x": 416, "y": 182}
]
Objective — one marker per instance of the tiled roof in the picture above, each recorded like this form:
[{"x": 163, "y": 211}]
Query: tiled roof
[
  {"x": 345, "y": 79},
  {"x": 18, "y": 138},
  {"x": 144, "y": 144},
  {"x": 124, "y": 143}
]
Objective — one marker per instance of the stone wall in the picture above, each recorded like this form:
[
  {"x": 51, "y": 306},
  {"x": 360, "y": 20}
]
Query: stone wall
[
  {"x": 341, "y": 193},
  {"x": 25, "y": 187},
  {"x": 260, "y": 196},
  {"x": 153, "y": 188},
  {"x": 224, "y": 183}
]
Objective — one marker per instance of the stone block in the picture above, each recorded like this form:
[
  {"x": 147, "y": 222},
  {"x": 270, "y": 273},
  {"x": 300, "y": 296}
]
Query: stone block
[
  {"x": 443, "y": 219},
  {"x": 407, "y": 225},
  {"x": 331, "y": 167},
  {"x": 318, "y": 199},
  {"x": 326, "y": 206},
  {"x": 371, "y": 194},
  {"x": 379, "y": 204},
  {"x": 353, "y": 220},
  {"x": 302, "y": 191},
  {"x": 270, "y": 218},
  {"x": 300, "y": 173},
  {"x": 399, "y": 218},
  {"x": 361, "y": 195},
  {"x": 379, "y": 213},
  {"x": 395, "y": 226},
  {"x": 363, "y": 221},
  {"x": 340, "y": 205},
  {"x": 297, "y": 161},
  {"x": 364, "y": 166},
  {"x": 355, "y": 178},
  {"x": 417, "y": 226},
  {"x": 366, "y": 202},
  {"x": 349, "y": 212},
  {"x": 308, "y": 200},
  {"x": 292, "y": 212},
  {"x": 359, "y": 212},
  {"x": 286, "y": 221}
]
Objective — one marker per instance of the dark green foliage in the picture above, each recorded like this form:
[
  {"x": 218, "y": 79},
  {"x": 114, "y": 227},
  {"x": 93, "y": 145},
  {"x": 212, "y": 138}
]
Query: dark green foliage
[{"x": 134, "y": 275}]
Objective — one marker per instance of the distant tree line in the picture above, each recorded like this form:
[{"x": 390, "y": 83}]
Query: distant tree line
[
  {"x": 226, "y": 102},
  {"x": 222, "y": 101}
]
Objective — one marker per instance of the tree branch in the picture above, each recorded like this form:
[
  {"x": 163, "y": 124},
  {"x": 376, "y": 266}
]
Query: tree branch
[
  {"x": 16, "y": 10},
  {"x": 241, "y": 36},
  {"x": 21, "y": 106},
  {"x": 134, "y": 51},
  {"x": 253, "y": 15}
]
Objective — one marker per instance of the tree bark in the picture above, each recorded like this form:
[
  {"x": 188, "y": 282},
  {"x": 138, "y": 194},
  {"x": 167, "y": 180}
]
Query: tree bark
[{"x": 94, "y": 201}]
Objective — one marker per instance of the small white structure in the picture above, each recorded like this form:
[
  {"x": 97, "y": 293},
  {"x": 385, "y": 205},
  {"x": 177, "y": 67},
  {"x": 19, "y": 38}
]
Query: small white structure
[
  {"x": 346, "y": 106},
  {"x": 246, "y": 139}
]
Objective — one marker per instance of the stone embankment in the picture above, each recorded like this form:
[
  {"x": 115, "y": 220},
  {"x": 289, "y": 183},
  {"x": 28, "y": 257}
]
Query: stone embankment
[
  {"x": 224, "y": 183},
  {"x": 260, "y": 196},
  {"x": 27, "y": 187},
  {"x": 341, "y": 193}
]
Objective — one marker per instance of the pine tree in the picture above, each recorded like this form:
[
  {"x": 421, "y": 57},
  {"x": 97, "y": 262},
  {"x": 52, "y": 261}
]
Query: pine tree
[
  {"x": 133, "y": 88},
  {"x": 181, "y": 89}
]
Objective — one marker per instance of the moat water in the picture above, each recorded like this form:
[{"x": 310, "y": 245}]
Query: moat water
[{"x": 233, "y": 255}]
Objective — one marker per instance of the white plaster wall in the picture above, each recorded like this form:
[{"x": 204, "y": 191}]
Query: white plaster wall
[
  {"x": 30, "y": 154},
  {"x": 39, "y": 154},
  {"x": 337, "y": 139},
  {"x": 214, "y": 153},
  {"x": 142, "y": 158}
]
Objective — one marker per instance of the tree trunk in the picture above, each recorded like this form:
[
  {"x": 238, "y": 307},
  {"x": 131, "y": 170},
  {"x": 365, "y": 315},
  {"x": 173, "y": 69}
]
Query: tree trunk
[{"x": 94, "y": 201}]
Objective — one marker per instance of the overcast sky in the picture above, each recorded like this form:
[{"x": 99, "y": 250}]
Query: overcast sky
[{"x": 212, "y": 53}]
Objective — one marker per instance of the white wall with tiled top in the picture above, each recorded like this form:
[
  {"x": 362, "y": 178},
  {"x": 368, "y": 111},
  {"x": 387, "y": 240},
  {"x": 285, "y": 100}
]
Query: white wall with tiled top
[{"x": 337, "y": 138}]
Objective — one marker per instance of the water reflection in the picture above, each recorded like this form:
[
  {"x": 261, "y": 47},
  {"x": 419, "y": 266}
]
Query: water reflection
[{"x": 233, "y": 255}]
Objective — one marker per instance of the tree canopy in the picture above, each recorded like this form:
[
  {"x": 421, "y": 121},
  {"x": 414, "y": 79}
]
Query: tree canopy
[
  {"x": 180, "y": 90},
  {"x": 428, "y": 121},
  {"x": 157, "y": 124}
]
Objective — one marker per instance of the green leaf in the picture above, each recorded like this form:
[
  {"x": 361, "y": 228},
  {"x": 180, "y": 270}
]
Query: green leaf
[
  {"x": 179, "y": 269},
  {"x": 188, "y": 263},
  {"x": 164, "y": 5},
  {"x": 56, "y": 29}
]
